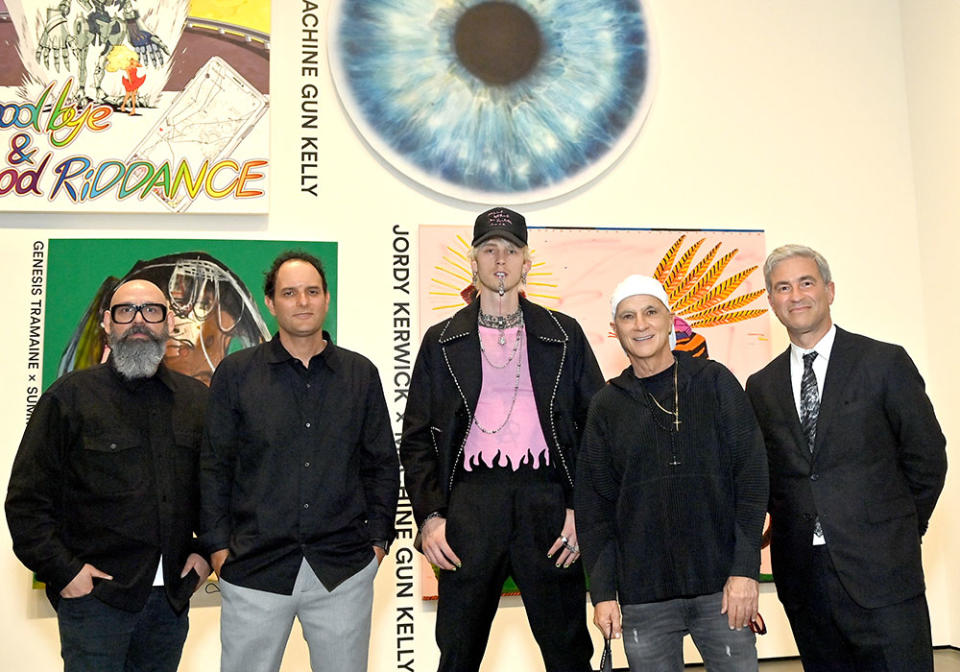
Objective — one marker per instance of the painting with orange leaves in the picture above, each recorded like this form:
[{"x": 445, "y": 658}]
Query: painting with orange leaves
[{"x": 714, "y": 280}]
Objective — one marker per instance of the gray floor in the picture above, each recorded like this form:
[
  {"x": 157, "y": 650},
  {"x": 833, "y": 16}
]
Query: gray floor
[{"x": 944, "y": 660}]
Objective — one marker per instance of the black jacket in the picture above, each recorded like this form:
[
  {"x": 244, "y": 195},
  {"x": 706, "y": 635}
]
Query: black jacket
[
  {"x": 877, "y": 469},
  {"x": 107, "y": 474},
  {"x": 446, "y": 387}
]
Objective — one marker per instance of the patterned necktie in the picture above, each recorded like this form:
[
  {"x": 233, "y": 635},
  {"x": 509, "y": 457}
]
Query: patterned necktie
[
  {"x": 809, "y": 400},
  {"x": 809, "y": 410}
]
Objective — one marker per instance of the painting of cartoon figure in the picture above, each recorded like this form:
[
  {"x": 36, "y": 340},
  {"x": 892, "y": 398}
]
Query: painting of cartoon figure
[
  {"x": 77, "y": 39},
  {"x": 136, "y": 105}
]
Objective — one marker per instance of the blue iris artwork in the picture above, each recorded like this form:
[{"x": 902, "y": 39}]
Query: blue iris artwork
[{"x": 491, "y": 101}]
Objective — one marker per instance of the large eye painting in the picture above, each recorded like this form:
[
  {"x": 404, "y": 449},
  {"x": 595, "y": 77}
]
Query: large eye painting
[{"x": 486, "y": 101}]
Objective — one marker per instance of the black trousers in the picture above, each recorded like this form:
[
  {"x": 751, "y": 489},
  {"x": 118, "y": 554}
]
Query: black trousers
[
  {"x": 835, "y": 634},
  {"x": 502, "y": 523}
]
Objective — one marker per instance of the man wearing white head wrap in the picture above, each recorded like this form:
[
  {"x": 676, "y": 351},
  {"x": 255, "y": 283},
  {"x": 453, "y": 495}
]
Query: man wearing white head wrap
[
  {"x": 633, "y": 285},
  {"x": 671, "y": 492}
]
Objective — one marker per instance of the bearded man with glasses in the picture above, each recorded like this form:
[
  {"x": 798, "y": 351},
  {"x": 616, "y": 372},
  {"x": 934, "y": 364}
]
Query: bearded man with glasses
[{"x": 103, "y": 496}]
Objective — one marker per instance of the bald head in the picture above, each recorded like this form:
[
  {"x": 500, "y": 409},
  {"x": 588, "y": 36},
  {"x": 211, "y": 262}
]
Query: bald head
[{"x": 138, "y": 292}]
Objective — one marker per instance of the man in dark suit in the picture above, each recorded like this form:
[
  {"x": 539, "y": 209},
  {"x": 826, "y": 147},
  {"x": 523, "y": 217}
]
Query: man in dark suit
[{"x": 853, "y": 479}]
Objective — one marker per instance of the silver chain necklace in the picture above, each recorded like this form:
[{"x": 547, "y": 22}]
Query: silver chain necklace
[
  {"x": 516, "y": 387},
  {"x": 516, "y": 349},
  {"x": 500, "y": 322}
]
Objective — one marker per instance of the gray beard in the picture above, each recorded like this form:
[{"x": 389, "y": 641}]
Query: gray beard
[{"x": 137, "y": 359}]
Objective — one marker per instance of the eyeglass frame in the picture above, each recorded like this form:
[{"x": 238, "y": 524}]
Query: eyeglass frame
[
  {"x": 138, "y": 308},
  {"x": 757, "y": 626}
]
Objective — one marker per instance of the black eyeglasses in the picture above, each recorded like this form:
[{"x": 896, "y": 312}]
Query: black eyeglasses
[{"x": 125, "y": 313}]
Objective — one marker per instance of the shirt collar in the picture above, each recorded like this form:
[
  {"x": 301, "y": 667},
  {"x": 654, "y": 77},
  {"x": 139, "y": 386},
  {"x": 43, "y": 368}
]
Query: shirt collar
[
  {"x": 823, "y": 347},
  {"x": 276, "y": 353}
]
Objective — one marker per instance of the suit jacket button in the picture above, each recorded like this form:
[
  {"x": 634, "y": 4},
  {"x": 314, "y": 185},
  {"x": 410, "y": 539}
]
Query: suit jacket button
[{"x": 814, "y": 477}]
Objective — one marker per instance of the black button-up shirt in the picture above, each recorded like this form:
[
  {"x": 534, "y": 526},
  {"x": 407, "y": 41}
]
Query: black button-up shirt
[
  {"x": 107, "y": 474},
  {"x": 297, "y": 462}
]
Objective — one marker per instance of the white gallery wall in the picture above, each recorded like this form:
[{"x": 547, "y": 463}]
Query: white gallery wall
[
  {"x": 830, "y": 123},
  {"x": 932, "y": 58}
]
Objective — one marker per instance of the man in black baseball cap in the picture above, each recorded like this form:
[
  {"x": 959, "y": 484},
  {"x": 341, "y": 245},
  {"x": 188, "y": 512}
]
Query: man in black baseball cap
[{"x": 488, "y": 448}]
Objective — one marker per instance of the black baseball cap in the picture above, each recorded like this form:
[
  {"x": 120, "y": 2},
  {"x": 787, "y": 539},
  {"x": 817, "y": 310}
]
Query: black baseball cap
[{"x": 500, "y": 223}]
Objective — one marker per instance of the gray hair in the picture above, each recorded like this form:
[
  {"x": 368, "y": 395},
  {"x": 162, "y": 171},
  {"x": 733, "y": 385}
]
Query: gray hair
[{"x": 785, "y": 252}]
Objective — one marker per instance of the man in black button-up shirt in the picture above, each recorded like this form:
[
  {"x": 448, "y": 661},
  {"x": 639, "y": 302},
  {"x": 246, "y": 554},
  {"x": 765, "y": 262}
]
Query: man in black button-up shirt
[
  {"x": 300, "y": 480},
  {"x": 103, "y": 496}
]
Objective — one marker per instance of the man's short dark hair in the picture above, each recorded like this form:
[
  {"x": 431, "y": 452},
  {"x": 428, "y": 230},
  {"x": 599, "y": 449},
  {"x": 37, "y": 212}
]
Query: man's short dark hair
[{"x": 270, "y": 277}]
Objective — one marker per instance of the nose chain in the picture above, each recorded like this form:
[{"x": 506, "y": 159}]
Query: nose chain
[{"x": 500, "y": 289}]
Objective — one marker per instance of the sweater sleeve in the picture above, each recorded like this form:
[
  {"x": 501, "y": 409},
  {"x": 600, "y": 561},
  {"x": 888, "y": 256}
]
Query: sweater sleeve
[
  {"x": 595, "y": 501},
  {"x": 744, "y": 440}
]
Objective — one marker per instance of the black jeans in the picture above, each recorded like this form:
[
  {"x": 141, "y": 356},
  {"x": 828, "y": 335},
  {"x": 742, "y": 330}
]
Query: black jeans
[
  {"x": 502, "y": 523},
  {"x": 95, "y": 637}
]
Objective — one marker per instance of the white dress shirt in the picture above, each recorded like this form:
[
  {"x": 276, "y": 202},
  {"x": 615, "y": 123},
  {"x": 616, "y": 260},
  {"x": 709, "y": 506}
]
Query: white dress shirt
[{"x": 822, "y": 348}]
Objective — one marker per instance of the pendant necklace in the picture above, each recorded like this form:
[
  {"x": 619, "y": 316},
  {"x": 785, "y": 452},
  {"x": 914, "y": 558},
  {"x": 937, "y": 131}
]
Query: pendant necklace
[
  {"x": 501, "y": 322},
  {"x": 516, "y": 347},
  {"x": 516, "y": 391},
  {"x": 676, "y": 399},
  {"x": 673, "y": 430}
]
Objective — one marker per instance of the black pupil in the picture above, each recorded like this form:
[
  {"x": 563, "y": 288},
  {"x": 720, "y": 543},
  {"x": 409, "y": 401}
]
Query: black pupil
[{"x": 498, "y": 42}]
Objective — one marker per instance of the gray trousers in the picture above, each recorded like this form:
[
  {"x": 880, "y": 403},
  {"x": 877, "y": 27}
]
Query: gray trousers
[{"x": 255, "y": 625}]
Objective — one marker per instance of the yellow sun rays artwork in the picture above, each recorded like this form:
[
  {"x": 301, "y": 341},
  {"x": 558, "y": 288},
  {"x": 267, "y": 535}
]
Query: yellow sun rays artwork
[
  {"x": 698, "y": 297},
  {"x": 452, "y": 279}
]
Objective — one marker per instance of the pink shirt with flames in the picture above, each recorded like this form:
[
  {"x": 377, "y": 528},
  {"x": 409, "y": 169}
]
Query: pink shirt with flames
[{"x": 521, "y": 440}]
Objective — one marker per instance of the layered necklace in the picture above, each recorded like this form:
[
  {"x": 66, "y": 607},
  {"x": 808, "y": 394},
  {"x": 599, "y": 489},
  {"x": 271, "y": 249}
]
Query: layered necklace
[
  {"x": 676, "y": 399},
  {"x": 502, "y": 322},
  {"x": 672, "y": 426},
  {"x": 501, "y": 340}
]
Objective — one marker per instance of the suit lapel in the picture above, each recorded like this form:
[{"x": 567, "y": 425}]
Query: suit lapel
[{"x": 783, "y": 391}]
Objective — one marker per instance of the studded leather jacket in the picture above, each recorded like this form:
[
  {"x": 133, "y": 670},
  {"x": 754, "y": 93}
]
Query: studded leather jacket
[{"x": 446, "y": 387}]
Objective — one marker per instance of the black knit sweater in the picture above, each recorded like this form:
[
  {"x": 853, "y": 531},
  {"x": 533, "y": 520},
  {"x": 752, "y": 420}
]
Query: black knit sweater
[{"x": 651, "y": 530}]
